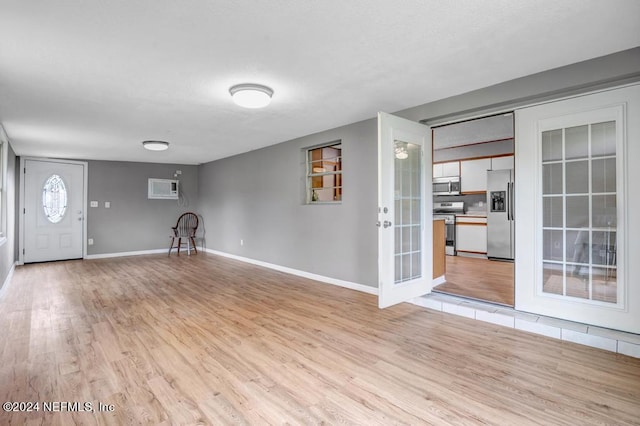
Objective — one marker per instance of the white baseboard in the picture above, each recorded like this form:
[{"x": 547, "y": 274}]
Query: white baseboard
[
  {"x": 299, "y": 273},
  {"x": 125, "y": 253},
  {"x": 7, "y": 280}
]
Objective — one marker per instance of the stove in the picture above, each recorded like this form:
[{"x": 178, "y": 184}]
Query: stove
[{"x": 448, "y": 211}]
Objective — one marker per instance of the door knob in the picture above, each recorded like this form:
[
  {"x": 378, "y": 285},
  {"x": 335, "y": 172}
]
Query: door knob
[{"x": 386, "y": 224}]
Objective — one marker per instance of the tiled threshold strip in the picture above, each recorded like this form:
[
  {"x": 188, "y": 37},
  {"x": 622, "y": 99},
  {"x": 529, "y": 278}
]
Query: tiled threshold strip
[{"x": 610, "y": 340}]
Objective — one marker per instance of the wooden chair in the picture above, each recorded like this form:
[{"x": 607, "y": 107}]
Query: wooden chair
[{"x": 185, "y": 228}]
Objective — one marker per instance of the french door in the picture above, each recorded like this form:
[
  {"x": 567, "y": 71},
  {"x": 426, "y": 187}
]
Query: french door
[
  {"x": 53, "y": 204},
  {"x": 577, "y": 162},
  {"x": 405, "y": 234}
]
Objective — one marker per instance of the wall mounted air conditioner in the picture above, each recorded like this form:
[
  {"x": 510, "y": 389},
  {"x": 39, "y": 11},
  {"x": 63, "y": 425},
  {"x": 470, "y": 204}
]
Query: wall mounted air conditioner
[{"x": 163, "y": 189}]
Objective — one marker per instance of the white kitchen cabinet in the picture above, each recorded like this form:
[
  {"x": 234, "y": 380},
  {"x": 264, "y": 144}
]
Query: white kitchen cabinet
[
  {"x": 437, "y": 170},
  {"x": 451, "y": 169},
  {"x": 502, "y": 163},
  {"x": 446, "y": 169},
  {"x": 473, "y": 175},
  {"x": 471, "y": 238}
]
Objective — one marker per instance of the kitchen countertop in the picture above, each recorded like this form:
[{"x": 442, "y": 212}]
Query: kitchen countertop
[{"x": 474, "y": 214}]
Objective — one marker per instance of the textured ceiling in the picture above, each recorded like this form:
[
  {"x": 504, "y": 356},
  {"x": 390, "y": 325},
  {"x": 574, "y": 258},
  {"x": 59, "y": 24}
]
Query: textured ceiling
[{"x": 92, "y": 79}]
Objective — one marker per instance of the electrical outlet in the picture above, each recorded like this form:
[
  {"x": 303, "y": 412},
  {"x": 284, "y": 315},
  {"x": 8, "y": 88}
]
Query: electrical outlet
[
  {"x": 90, "y": 241},
  {"x": 107, "y": 204}
]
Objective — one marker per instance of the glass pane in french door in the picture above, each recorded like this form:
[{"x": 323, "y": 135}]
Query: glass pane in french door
[
  {"x": 580, "y": 212},
  {"x": 408, "y": 211}
]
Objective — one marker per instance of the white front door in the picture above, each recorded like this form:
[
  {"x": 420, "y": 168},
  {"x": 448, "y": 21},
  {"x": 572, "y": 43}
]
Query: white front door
[
  {"x": 405, "y": 235},
  {"x": 53, "y": 203},
  {"x": 577, "y": 208}
]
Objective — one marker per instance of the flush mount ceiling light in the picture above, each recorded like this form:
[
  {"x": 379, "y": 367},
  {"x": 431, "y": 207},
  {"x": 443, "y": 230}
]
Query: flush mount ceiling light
[
  {"x": 155, "y": 145},
  {"x": 251, "y": 95}
]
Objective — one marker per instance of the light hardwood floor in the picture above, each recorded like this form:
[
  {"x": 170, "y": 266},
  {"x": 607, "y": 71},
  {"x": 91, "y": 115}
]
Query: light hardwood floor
[
  {"x": 207, "y": 340},
  {"x": 480, "y": 279}
]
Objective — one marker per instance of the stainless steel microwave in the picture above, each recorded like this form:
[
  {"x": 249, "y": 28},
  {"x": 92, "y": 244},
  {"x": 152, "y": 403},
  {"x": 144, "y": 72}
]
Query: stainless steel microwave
[{"x": 449, "y": 185}]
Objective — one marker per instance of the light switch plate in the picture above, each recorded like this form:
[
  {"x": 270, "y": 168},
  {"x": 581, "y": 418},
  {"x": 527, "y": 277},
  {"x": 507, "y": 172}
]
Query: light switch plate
[
  {"x": 94, "y": 204},
  {"x": 107, "y": 204}
]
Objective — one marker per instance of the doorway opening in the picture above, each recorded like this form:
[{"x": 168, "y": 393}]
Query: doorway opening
[{"x": 477, "y": 158}]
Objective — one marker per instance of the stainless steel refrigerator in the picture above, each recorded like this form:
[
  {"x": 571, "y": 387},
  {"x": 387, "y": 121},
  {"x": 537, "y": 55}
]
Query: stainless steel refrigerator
[{"x": 500, "y": 219}]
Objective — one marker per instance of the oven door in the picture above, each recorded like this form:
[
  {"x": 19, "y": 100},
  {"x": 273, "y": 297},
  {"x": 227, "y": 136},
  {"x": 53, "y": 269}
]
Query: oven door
[{"x": 450, "y": 233}]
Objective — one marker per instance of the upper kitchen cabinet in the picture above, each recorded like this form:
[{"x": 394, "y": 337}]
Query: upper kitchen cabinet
[
  {"x": 451, "y": 168},
  {"x": 473, "y": 175},
  {"x": 502, "y": 163}
]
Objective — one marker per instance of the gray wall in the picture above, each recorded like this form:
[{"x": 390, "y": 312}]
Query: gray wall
[
  {"x": 606, "y": 71},
  {"x": 258, "y": 197},
  {"x": 133, "y": 222},
  {"x": 8, "y": 249}
]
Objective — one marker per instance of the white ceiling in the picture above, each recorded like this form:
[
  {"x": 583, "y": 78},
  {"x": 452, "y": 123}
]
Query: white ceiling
[{"x": 92, "y": 79}]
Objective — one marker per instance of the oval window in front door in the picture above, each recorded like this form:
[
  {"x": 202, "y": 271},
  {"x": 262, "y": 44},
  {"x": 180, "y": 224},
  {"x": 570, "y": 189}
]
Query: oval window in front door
[{"x": 54, "y": 198}]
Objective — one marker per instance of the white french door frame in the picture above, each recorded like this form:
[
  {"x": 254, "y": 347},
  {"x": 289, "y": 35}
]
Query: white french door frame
[
  {"x": 85, "y": 195},
  {"x": 623, "y": 105},
  {"x": 391, "y": 130}
]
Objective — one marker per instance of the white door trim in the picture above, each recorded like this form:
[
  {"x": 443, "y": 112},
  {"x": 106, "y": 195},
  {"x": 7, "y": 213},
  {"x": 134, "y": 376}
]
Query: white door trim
[{"x": 85, "y": 196}]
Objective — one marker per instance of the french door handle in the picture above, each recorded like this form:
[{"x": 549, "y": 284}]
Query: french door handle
[
  {"x": 386, "y": 224},
  {"x": 378, "y": 224}
]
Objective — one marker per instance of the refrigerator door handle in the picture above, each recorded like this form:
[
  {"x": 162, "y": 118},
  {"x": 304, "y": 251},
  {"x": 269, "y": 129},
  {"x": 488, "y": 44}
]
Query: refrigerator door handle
[
  {"x": 508, "y": 201},
  {"x": 512, "y": 200}
]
